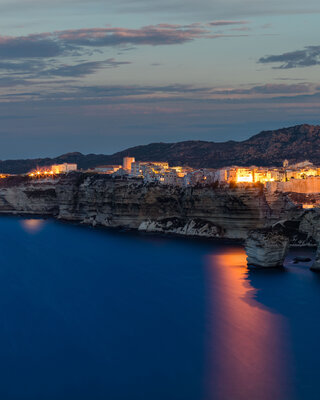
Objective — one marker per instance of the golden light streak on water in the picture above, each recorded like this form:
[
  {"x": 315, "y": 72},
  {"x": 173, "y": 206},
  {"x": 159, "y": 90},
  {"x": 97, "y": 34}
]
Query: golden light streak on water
[{"x": 245, "y": 359}]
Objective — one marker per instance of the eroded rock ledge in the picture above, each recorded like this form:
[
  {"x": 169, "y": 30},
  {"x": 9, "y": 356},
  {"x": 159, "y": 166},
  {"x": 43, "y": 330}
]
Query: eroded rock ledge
[{"x": 179, "y": 226}]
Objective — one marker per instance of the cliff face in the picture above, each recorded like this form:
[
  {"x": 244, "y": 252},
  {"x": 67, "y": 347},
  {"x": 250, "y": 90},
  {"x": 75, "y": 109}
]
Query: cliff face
[
  {"x": 192, "y": 211},
  {"x": 23, "y": 196},
  {"x": 101, "y": 200}
]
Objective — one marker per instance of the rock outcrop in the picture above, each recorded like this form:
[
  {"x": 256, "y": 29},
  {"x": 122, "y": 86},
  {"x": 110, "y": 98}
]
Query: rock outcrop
[
  {"x": 21, "y": 195},
  {"x": 178, "y": 226},
  {"x": 266, "y": 248},
  {"x": 316, "y": 264},
  {"x": 310, "y": 223}
]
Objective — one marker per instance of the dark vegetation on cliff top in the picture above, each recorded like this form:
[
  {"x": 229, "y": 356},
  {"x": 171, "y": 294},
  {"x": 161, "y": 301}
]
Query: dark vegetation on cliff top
[{"x": 296, "y": 143}]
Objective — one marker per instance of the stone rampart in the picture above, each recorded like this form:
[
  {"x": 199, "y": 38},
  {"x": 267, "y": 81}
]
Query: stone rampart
[{"x": 308, "y": 185}]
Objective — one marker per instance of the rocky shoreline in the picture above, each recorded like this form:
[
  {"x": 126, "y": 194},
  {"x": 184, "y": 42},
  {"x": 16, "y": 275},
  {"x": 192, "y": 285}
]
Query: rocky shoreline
[{"x": 238, "y": 213}]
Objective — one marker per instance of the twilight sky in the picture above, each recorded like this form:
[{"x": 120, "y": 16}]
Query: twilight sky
[{"x": 102, "y": 75}]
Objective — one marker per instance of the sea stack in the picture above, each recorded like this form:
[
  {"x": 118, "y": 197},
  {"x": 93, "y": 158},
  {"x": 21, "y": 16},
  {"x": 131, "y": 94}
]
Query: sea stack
[{"x": 266, "y": 248}]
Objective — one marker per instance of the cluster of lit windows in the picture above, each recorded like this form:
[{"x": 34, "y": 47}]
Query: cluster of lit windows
[{"x": 40, "y": 173}]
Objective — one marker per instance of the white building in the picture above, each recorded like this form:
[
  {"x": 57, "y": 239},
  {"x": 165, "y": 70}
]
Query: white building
[
  {"x": 146, "y": 168},
  {"x": 192, "y": 178},
  {"x": 63, "y": 168},
  {"x": 222, "y": 175},
  {"x": 136, "y": 169},
  {"x": 172, "y": 178}
]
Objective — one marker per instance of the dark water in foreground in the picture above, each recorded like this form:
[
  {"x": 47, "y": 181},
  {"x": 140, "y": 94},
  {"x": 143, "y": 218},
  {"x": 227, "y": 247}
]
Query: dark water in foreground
[{"x": 88, "y": 314}]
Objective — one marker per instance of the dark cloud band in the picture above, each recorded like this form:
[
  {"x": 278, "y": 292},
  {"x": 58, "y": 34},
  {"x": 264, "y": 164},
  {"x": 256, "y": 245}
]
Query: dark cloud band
[{"x": 307, "y": 57}]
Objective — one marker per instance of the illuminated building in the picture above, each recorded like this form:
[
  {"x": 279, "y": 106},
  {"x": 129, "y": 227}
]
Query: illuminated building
[
  {"x": 63, "y": 168},
  {"x": 127, "y": 162},
  {"x": 244, "y": 175},
  {"x": 148, "y": 168},
  {"x": 49, "y": 172}
]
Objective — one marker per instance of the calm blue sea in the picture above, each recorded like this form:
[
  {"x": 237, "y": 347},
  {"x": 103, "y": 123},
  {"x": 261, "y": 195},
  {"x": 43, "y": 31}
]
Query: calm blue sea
[{"x": 91, "y": 314}]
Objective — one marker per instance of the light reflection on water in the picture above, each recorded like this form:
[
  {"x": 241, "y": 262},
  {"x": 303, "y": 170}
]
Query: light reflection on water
[
  {"x": 247, "y": 352},
  {"x": 127, "y": 317},
  {"x": 32, "y": 225}
]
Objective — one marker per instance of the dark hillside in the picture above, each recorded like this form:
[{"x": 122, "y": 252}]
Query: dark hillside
[{"x": 296, "y": 143}]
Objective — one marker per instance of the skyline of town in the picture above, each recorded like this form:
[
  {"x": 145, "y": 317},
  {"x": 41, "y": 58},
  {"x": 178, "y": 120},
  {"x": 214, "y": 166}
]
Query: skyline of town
[
  {"x": 158, "y": 171},
  {"x": 300, "y": 178}
]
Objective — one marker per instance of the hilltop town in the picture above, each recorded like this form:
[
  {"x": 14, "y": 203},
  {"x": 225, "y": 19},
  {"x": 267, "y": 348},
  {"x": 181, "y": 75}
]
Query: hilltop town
[
  {"x": 274, "y": 178},
  {"x": 302, "y": 177}
]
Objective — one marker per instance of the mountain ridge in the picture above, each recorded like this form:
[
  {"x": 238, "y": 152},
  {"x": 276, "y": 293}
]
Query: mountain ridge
[{"x": 266, "y": 148}]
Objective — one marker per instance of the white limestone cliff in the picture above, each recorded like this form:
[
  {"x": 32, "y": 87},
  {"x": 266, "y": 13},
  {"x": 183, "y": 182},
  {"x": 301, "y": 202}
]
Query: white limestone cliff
[
  {"x": 131, "y": 204},
  {"x": 266, "y": 248}
]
